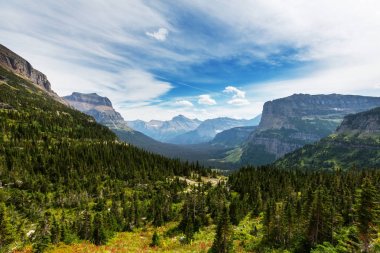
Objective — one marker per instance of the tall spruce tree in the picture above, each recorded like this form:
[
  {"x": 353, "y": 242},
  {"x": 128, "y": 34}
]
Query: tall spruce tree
[
  {"x": 99, "y": 236},
  {"x": 223, "y": 238},
  {"x": 367, "y": 213},
  {"x": 7, "y": 235}
]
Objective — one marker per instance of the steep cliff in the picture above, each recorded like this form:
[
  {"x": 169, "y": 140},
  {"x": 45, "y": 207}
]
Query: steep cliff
[
  {"x": 367, "y": 122},
  {"x": 98, "y": 107},
  {"x": 356, "y": 143},
  {"x": 18, "y": 65},
  {"x": 292, "y": 122}
]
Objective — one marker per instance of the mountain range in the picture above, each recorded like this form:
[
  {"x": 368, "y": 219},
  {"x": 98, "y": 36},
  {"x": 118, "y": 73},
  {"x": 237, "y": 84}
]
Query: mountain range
[
  {"x": 184, "y": 131},
  {"x": 286, "y": 124},
  {"x": 165, "y": 130},
  {"x": 71, "y": 183},
  {"x": 355, "y": 144},
  {"x": 292, "y": 122}
]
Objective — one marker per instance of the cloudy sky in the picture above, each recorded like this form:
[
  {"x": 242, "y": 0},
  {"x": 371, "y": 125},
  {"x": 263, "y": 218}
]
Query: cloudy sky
[{"x": 204, "y": 59}]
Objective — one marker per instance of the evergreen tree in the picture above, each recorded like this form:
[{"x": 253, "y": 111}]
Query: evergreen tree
[
  {"x": 99, "y": 236},
  {"x": 319, "y": 222},
  {"x": 367, "y": 213},
  {"x": 7, "y": 235},
  {"x": 42, "y": 234},
  {"x": 223, "y": 238},
  {"x": 155, "y": 240},
  {"x": 55, "y": 231},
  {"x": 84, "y": 225}
]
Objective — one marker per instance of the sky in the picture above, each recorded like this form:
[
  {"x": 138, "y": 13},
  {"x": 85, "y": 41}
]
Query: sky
[{"x": 202, "y": 59}]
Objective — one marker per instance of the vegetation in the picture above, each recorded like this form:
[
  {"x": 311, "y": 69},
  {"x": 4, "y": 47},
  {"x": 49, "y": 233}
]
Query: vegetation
[
  {"x": 313, "y": 210},
  {"x": 68, "y": 185},
  {"x": 337, "y": 151}
]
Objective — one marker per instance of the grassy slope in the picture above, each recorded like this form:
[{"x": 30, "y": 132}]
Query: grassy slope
[
  {"x": 139, "y": 240},
  {"x": 336, "y": 151}
]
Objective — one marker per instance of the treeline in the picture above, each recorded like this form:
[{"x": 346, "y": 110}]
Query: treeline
[
  {"x": 324, "y": 211},
  {"x": 64, "y": 178}
]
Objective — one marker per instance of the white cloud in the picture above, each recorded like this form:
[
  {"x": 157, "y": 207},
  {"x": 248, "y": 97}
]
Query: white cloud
[
  {"x": 238, "y": 97},
  {"x": 185, "y": 103},
  {"x": 86, "y": 46},
  {"x": 235, "y": 91},
  {"x": 138, "y": 85},
  {"x": 238, "y": 101},
  {"x": 206, "y": 100},
  {"x": 346, "y": 79},
  {"x": 160, "y": 35}
]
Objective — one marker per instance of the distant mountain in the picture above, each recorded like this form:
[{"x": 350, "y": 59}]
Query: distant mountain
[
  {"x": 165, "y": 130},
  {"x": 101, "y": 109},
  {"x": 98, "y": 107},
  {"x": 356, "y": 143},
  {"x": 292, "y": 122},
  {"x": 19, "y": 66},
  {"x": 208, "y": 129},
  {"x": 233, "y": 137}
]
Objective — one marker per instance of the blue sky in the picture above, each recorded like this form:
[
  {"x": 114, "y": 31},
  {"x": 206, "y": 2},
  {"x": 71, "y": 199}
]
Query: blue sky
[{"x": 204, "y": 59}]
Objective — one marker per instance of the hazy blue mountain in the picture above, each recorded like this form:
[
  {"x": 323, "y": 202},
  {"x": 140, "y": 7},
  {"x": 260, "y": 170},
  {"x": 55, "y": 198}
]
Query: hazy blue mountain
[
  {"x": 165, "y": 130},
  {"x": 208, "y": 129}
]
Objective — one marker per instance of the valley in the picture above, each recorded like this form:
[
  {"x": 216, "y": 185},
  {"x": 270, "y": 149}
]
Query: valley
[{"x": 187, "y": 128}]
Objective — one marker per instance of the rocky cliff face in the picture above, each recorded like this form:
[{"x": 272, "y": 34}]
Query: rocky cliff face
[
  {"x": 233, "y": 137},
  {"x": 367, "y": 122},
  {"x": 354, "y": 144},
  {"x": 280, "y": 113},
  {"x": 290, "y": 123},
  {"x": 22, "y": 67},
  {"x": 98, "y": 107}
]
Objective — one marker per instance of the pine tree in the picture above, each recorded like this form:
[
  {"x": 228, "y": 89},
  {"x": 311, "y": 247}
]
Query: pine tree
[
  {"x": 84, "y": 229},
  {"x": 319, "y": 222},
  {"x": 7, "y": 235},
  {"x": 155, "y": 240},
  {"x": 42, "y": 234},
  {"x": 367, "y": 213},
  {"x": 55, "y": 231},
  {"x": 99, "y": 235},
  {"x": 223, "y": 238}
]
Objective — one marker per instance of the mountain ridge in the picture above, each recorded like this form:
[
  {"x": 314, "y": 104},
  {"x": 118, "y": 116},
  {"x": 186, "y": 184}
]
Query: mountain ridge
[
  {"x": 292, "y": 122},
  {"x": 164, "y": 130},
  {"x": 209, "y": 128},
  {"x": 13, "y": 62},
  {"x": 356, "y": 142}
]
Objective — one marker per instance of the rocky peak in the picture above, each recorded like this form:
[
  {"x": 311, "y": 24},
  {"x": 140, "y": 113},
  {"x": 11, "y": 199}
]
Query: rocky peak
[
  {"x": 364, "y": 122},
  {"x": 89, "y": 98},
  {"x": 22, "y": 67},
  {"x": 97, "y": 106},
  {"x": 278, "y": 113}
]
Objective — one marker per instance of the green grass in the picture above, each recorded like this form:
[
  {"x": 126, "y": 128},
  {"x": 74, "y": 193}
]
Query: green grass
[{"x": 170, "y": 240}]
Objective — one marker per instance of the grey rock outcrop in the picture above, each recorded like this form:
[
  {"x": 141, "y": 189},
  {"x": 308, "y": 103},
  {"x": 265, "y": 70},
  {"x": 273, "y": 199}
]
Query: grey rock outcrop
[
  {"x": 98, "y": 107},
  {"x": 20, "y": 66},
  {"x": 367, "y": 122},
  {"x": 290, "y": 123}
]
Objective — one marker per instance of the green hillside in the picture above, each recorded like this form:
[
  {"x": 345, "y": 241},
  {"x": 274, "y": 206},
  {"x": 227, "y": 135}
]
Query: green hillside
[
  {"x": 355, "y": 144},
  {"x": 68, "y": 185},
  {"x": 57, "y": 166}
]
